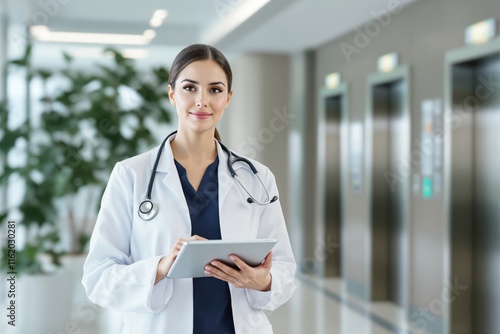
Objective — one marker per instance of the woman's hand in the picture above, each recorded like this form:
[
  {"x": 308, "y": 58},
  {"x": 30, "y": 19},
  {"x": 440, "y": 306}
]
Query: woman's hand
[
  {"x": 166, "y": 262},
  {"x": 257, "y": 278}
]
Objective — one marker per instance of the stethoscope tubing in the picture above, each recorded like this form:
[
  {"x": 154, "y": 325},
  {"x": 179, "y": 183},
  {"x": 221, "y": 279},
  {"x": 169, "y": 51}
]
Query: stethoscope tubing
[{"x": 148, "y": 209}]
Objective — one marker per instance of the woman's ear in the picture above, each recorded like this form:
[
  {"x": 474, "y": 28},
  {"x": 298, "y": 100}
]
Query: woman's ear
[
  {"x": 229, "y": 95},
  {"x": 171, "y": 94}
]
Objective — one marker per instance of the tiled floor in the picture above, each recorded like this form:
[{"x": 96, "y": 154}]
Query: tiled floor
[{"x": 319, "y": 306}]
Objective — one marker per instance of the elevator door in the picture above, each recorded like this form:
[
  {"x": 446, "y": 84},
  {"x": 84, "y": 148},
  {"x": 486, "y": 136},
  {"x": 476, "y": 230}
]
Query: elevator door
[
  {"x": 387, "y": 196},
  {"x": 332, "y": 198},
  {"x": 475, "y": 193}
]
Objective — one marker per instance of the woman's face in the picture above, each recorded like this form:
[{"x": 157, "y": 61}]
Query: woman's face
[{"x": 201, "y": 95}]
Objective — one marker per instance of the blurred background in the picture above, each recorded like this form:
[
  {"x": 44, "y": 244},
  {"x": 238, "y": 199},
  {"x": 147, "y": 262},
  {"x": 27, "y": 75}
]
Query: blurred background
[{"x": 379, "y": 119}]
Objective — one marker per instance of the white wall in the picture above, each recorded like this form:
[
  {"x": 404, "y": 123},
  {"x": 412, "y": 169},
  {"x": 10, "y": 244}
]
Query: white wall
[{"x": 258, "y": 120}]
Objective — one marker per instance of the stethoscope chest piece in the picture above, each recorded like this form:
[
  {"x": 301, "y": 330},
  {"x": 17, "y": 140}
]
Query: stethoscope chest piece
[{"x": 148, "y": 210}]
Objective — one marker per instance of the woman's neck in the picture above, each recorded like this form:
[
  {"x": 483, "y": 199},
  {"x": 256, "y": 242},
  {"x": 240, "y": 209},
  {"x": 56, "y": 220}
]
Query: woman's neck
[{"x": 195, "y": 147}]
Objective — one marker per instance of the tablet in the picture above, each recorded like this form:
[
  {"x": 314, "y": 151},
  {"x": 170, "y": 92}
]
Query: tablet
[{"x": 196, "y": 254}]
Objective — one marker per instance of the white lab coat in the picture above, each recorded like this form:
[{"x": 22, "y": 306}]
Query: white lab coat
[{"x": 120, "y": 269}]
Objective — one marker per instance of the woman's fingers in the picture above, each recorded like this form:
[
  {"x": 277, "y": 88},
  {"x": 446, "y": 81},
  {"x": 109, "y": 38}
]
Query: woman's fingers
[
  {"x": 240, "y": 263},
  {"x": 172, "y": 255},
  {"x": 257, "y": 278},
  {"x": 268, "y": 261},
  {"x": 197, "y": 237}
]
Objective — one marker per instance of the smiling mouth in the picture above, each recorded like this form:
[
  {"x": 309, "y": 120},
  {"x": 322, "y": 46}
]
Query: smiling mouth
[{"x": 201, "y": 115}]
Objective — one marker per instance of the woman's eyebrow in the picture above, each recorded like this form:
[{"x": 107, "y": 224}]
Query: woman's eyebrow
[{"x": 210, "y": 84}]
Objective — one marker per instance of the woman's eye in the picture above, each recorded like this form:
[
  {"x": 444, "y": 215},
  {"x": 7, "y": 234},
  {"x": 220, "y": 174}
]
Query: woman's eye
[
  {"x": 215, "y": 90},
  {"x": 189, "y": 88}
]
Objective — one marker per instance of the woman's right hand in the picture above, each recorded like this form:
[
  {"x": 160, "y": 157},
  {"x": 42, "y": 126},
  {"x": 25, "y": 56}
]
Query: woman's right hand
[{"x": 166, "y": 262}]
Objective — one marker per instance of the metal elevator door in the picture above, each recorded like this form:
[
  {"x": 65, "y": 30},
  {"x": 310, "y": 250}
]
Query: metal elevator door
[
  {"x": 475, "y": 194},
  {"x": 332, "y": 197},
  {"x": 386, "y": 196}
]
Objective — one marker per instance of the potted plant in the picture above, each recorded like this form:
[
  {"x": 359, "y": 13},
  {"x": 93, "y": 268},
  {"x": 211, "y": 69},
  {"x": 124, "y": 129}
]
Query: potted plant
[
  {"x": 36, "y": 236},
  {"x": 89, "y": 122},
  {"x": 97, "y": 120}
]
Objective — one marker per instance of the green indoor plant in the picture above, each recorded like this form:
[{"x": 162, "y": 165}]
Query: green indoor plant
[{"x": 86, "y": 126}]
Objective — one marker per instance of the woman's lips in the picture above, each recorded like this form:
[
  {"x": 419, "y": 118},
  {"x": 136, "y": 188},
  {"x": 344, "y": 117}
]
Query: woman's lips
[{"x": 201, "y": 115}]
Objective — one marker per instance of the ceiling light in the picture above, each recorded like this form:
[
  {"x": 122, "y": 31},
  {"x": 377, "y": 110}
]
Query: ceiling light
[
  {"x": 135, "y": 53},
  {"x": 43, "y": 34},
  {"x": 95, "y": 52},
  {"x": 158, "y": 18},
  {"x": 39, "y": 30},
  {"x": 149, "y": 34},
  {"x": 161, "y": 13},
  {"x": 155, "y": 22}
]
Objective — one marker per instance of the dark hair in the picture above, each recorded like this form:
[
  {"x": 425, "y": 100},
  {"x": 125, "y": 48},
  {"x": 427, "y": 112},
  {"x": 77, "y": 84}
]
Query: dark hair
[{"x": 197, "y": 52}]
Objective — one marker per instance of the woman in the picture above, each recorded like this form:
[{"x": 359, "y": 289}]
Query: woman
[{"x": 130, "y": 257}]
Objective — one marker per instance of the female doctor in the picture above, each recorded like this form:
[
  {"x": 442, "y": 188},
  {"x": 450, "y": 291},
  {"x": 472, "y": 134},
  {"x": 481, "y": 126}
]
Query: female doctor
[{"x": 139, "y": 231}]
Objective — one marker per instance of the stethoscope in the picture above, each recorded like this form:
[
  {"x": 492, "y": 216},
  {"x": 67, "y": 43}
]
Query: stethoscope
[{"x": 148, "y": 210}]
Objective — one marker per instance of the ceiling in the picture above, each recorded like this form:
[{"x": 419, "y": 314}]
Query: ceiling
[{"x": 280, "y": 26}]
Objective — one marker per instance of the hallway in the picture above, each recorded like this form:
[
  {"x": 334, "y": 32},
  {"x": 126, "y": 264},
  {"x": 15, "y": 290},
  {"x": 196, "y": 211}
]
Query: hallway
[{"x": 322, "y": 306}]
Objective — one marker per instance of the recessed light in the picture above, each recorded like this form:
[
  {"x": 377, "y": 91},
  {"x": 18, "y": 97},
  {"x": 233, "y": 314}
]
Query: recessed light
[
  {"x": 43, "y": 34},
  {"x": 95, "y": 52},
  {"x": 158, "y": 18},
  {"x": 149, "y": 34},
  {"x": 161, "y": 13},
  {"x": 155, "y": 22}
]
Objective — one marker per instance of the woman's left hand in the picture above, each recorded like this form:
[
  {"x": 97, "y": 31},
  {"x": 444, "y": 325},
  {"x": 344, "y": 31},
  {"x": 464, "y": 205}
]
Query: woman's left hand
[{"x": 247, "y": 277}]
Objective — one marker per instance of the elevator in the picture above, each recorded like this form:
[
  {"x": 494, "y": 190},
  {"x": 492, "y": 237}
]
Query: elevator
[
  {"x": 333, "y": 178},
  {"x": 473, "y": 186},
  {"x": 388, "y": 145}
]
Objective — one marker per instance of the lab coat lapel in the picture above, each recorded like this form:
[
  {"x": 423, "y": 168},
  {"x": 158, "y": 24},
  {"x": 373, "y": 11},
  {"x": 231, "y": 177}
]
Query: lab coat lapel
[
  {"x": 171, "y": 180},
  {"x": 167, "y": 170},
  {"x": 225, "y": 180},
  {"x": 226, "y": 210}
]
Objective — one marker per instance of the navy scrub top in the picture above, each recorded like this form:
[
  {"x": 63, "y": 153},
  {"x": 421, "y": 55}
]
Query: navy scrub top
[{"x": 211, "y": 297}]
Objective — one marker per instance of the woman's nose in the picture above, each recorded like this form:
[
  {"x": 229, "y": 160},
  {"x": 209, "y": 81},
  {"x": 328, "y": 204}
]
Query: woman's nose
[{"x": 201, "y": 99}]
